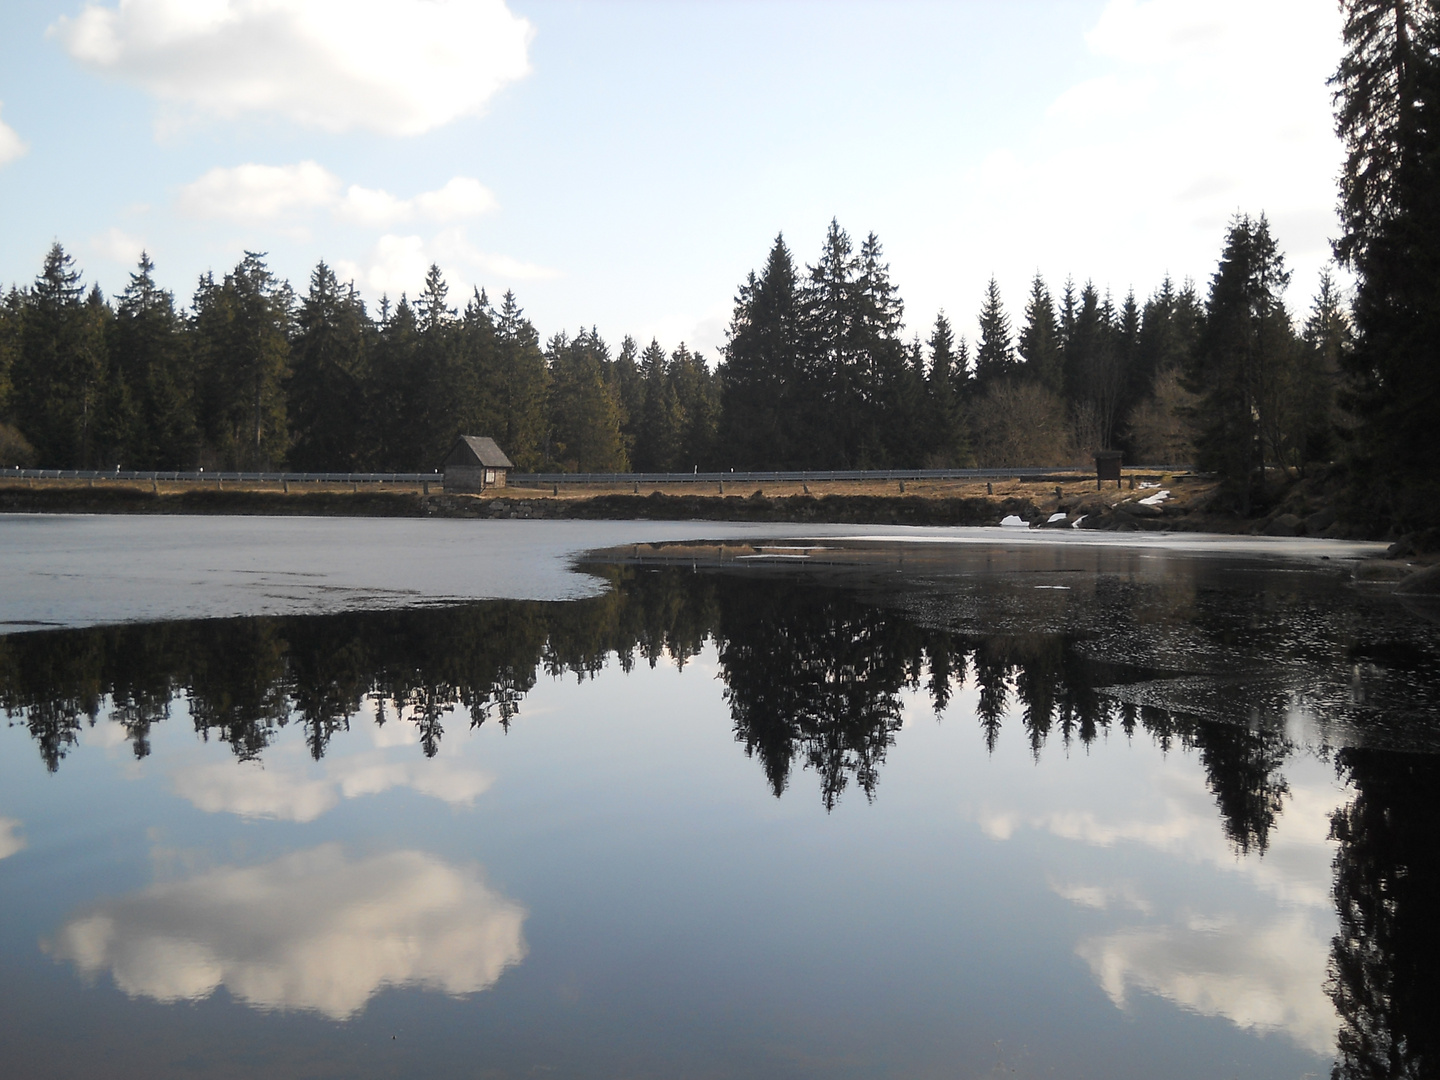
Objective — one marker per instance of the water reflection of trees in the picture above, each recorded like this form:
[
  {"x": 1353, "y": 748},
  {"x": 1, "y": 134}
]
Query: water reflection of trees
[
  {"x": 1387, "y": 891},
  {"x": 816, "y": 679}
]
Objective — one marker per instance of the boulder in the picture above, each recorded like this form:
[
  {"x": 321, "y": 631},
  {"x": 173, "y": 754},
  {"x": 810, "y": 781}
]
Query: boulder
[
  {"x": 1283, "y": 525},
  {"x": 1319, "y": 521},
  {"x": 1139, "y": 509},
  {"x": 1424, "y": 582}
]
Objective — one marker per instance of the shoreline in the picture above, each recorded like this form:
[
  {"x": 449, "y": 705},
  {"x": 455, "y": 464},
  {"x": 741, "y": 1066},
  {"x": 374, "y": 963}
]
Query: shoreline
[{"x": 1185, "y": 507}]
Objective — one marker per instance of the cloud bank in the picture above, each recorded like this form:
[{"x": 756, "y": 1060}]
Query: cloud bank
[
  {"x": 255, "y": 194},
  {"x": 11, "y": 145},
  {"x": 397, "y": 67},
  {"x": 314, "y": 930}
]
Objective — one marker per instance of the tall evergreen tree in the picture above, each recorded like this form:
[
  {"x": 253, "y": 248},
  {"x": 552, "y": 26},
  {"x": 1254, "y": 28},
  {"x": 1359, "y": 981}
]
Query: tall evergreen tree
[
  {"x": 328, "y": 406},
  {"x": 584, "y": 410},
  {"x": 242, "y": 335},
  {"x": 945, "y": 435},
  {"x": 1040, "y": 339},
  {"x": 1245, "y": 347},
  {"x": 994, "y": 354},
  {"x": 148, "y": 346},
  {"x": 521, "y": 384},
  {"x": 763, "y": 378},
  {"x": 1387, "y": 95},
  {"x": 59, "y": 371}
]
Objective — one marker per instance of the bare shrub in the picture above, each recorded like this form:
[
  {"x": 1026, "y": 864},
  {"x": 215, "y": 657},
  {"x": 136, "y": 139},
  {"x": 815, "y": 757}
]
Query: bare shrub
[
  {"x": 15, "y": 449},
  {"x": 1019, "y": 424},
  {"x": 1160, "y": 431}
]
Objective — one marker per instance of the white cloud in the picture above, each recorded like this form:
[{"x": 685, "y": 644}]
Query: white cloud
[
  {"x": 264, "y": 193},
  {"x": 1269, "y": 977},
  {"x": 314, "y": 930},
  {"x": 10, "y": 839},
  {"x": 399, "y": 67},
  {"x": 11, "y": 145},
  {"x": 117, "y": 246},
  {"x": 259, "y": 192},
  {"x": 1188, "y": 114},
  {"x": 461, "y": 198},
  {"x": 398, "y": 264}
]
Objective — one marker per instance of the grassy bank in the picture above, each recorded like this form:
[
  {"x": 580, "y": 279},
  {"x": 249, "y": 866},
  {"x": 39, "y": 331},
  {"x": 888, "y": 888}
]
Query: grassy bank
[{"x": 1034, "y": 499}]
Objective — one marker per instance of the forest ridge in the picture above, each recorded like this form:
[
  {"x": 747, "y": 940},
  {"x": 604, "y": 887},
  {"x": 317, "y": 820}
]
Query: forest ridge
[{"x": 816, "y": 374}]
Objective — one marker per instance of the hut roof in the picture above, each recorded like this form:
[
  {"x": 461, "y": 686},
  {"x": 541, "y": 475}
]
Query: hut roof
[{"x": 478, "y": 450}]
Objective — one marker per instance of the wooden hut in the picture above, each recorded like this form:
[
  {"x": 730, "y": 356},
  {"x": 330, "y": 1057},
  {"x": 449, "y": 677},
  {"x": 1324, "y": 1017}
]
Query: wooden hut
[{"x": 475, "y": 463}]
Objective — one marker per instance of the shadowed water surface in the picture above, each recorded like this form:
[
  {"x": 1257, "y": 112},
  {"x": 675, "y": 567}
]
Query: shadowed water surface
[{"x": 795, "y": 808}]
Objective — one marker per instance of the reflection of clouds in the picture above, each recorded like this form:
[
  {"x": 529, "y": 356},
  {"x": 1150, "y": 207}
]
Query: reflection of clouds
[
  {"x": 10, "y": 839},
  {"x": 313, "y": 930},
  {"x": 299, "y": 794},
  {"x": 1123, "y": 894},
  {"x": 1179, "y": 818},
  {"x": 1255, "y": 956},
  {"x": 1267, "y": 977}
]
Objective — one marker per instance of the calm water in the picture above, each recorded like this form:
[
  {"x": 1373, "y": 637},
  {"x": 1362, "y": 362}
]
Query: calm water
[{"x": 1002, "y": 807}]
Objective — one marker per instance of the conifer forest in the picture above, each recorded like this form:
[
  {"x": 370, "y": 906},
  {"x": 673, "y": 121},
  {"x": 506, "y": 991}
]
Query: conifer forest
[{"x": 819, "y": 370}]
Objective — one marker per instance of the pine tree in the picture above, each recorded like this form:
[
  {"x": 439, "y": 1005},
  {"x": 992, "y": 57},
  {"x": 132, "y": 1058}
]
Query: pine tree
[
  {"x": 242, "y": 337},
  {"x": 1387, "y": 93},
  {"x": 60, "y": 368},
  {"x": 1040, "y": 339},
  {"x": 947, "y": 446},
  {"x": 1244, "y": 351},
  {"x": 330, "y": 371},
  {"x": 994, "y": 356},
  {"x": 521, "y": 386},
  {"x": 763, "y": 379},
  {"x": 584, "y": 411},
  {"x": 148, "y": 346}
]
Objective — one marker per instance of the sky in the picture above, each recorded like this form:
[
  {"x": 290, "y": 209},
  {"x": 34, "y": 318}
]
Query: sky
[{"x": 624, "y": 165}]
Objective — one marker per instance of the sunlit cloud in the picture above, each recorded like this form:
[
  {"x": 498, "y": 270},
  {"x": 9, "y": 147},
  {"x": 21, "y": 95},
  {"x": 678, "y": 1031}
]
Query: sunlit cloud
[
  {"x": 398, "y": 67},
  {"x": 461, "y": 198},
  {"x": 259, "y": 192},
  {"x": 117, "y": 246},
  {"x": 315, "y": 930},
  {"x": 1190, "y": 113},
  {"x": 10, "y": 839},
  {"x": 256, "y": 194},
  {"x": 398, "y": 264},
  {"x": 11, "y": 145}
]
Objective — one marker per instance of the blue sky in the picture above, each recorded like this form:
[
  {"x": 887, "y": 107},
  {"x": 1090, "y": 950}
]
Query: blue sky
[{"x": 625, "y": 164}]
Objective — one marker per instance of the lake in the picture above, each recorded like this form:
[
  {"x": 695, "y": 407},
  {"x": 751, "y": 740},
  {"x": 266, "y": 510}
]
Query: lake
[{"x": 355, "y": 798}]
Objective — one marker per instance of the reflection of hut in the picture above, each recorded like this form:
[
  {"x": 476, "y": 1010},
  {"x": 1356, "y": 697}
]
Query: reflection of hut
[{"x": 474, "y": 464}]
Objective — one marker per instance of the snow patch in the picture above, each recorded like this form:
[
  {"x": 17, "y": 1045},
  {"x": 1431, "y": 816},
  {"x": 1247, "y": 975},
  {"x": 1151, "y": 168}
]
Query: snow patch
[
  {"x": 1056, "y": 517},
  {"x": 1156, "y": 499},
  {"x": 1013, "y": 522}
]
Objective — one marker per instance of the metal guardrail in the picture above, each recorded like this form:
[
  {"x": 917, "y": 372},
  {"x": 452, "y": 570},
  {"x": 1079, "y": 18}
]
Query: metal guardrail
[
  {"x": 233, "y": 477},
  {"x": 540, "y": 479},
  {"x": 547, "y": 479}
]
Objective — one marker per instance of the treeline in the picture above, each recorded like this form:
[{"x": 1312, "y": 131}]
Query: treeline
[
  {"x": 816, "y": 374},
  {"x": 253, "y": 375}
]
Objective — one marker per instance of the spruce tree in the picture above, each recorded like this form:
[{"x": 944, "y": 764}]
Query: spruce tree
[
  {"x": 994, "y": 355},
  {"x": 1243, "y": 355},
  {"x": 1040, "y": 339},
  {"x": 1387, "y": 95},
  {"x": 61, "y": 365},
  {"x": 149, "y": 348},
  {"x": 763, "y": 380},
  {"x": 329, "y": 375}
]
